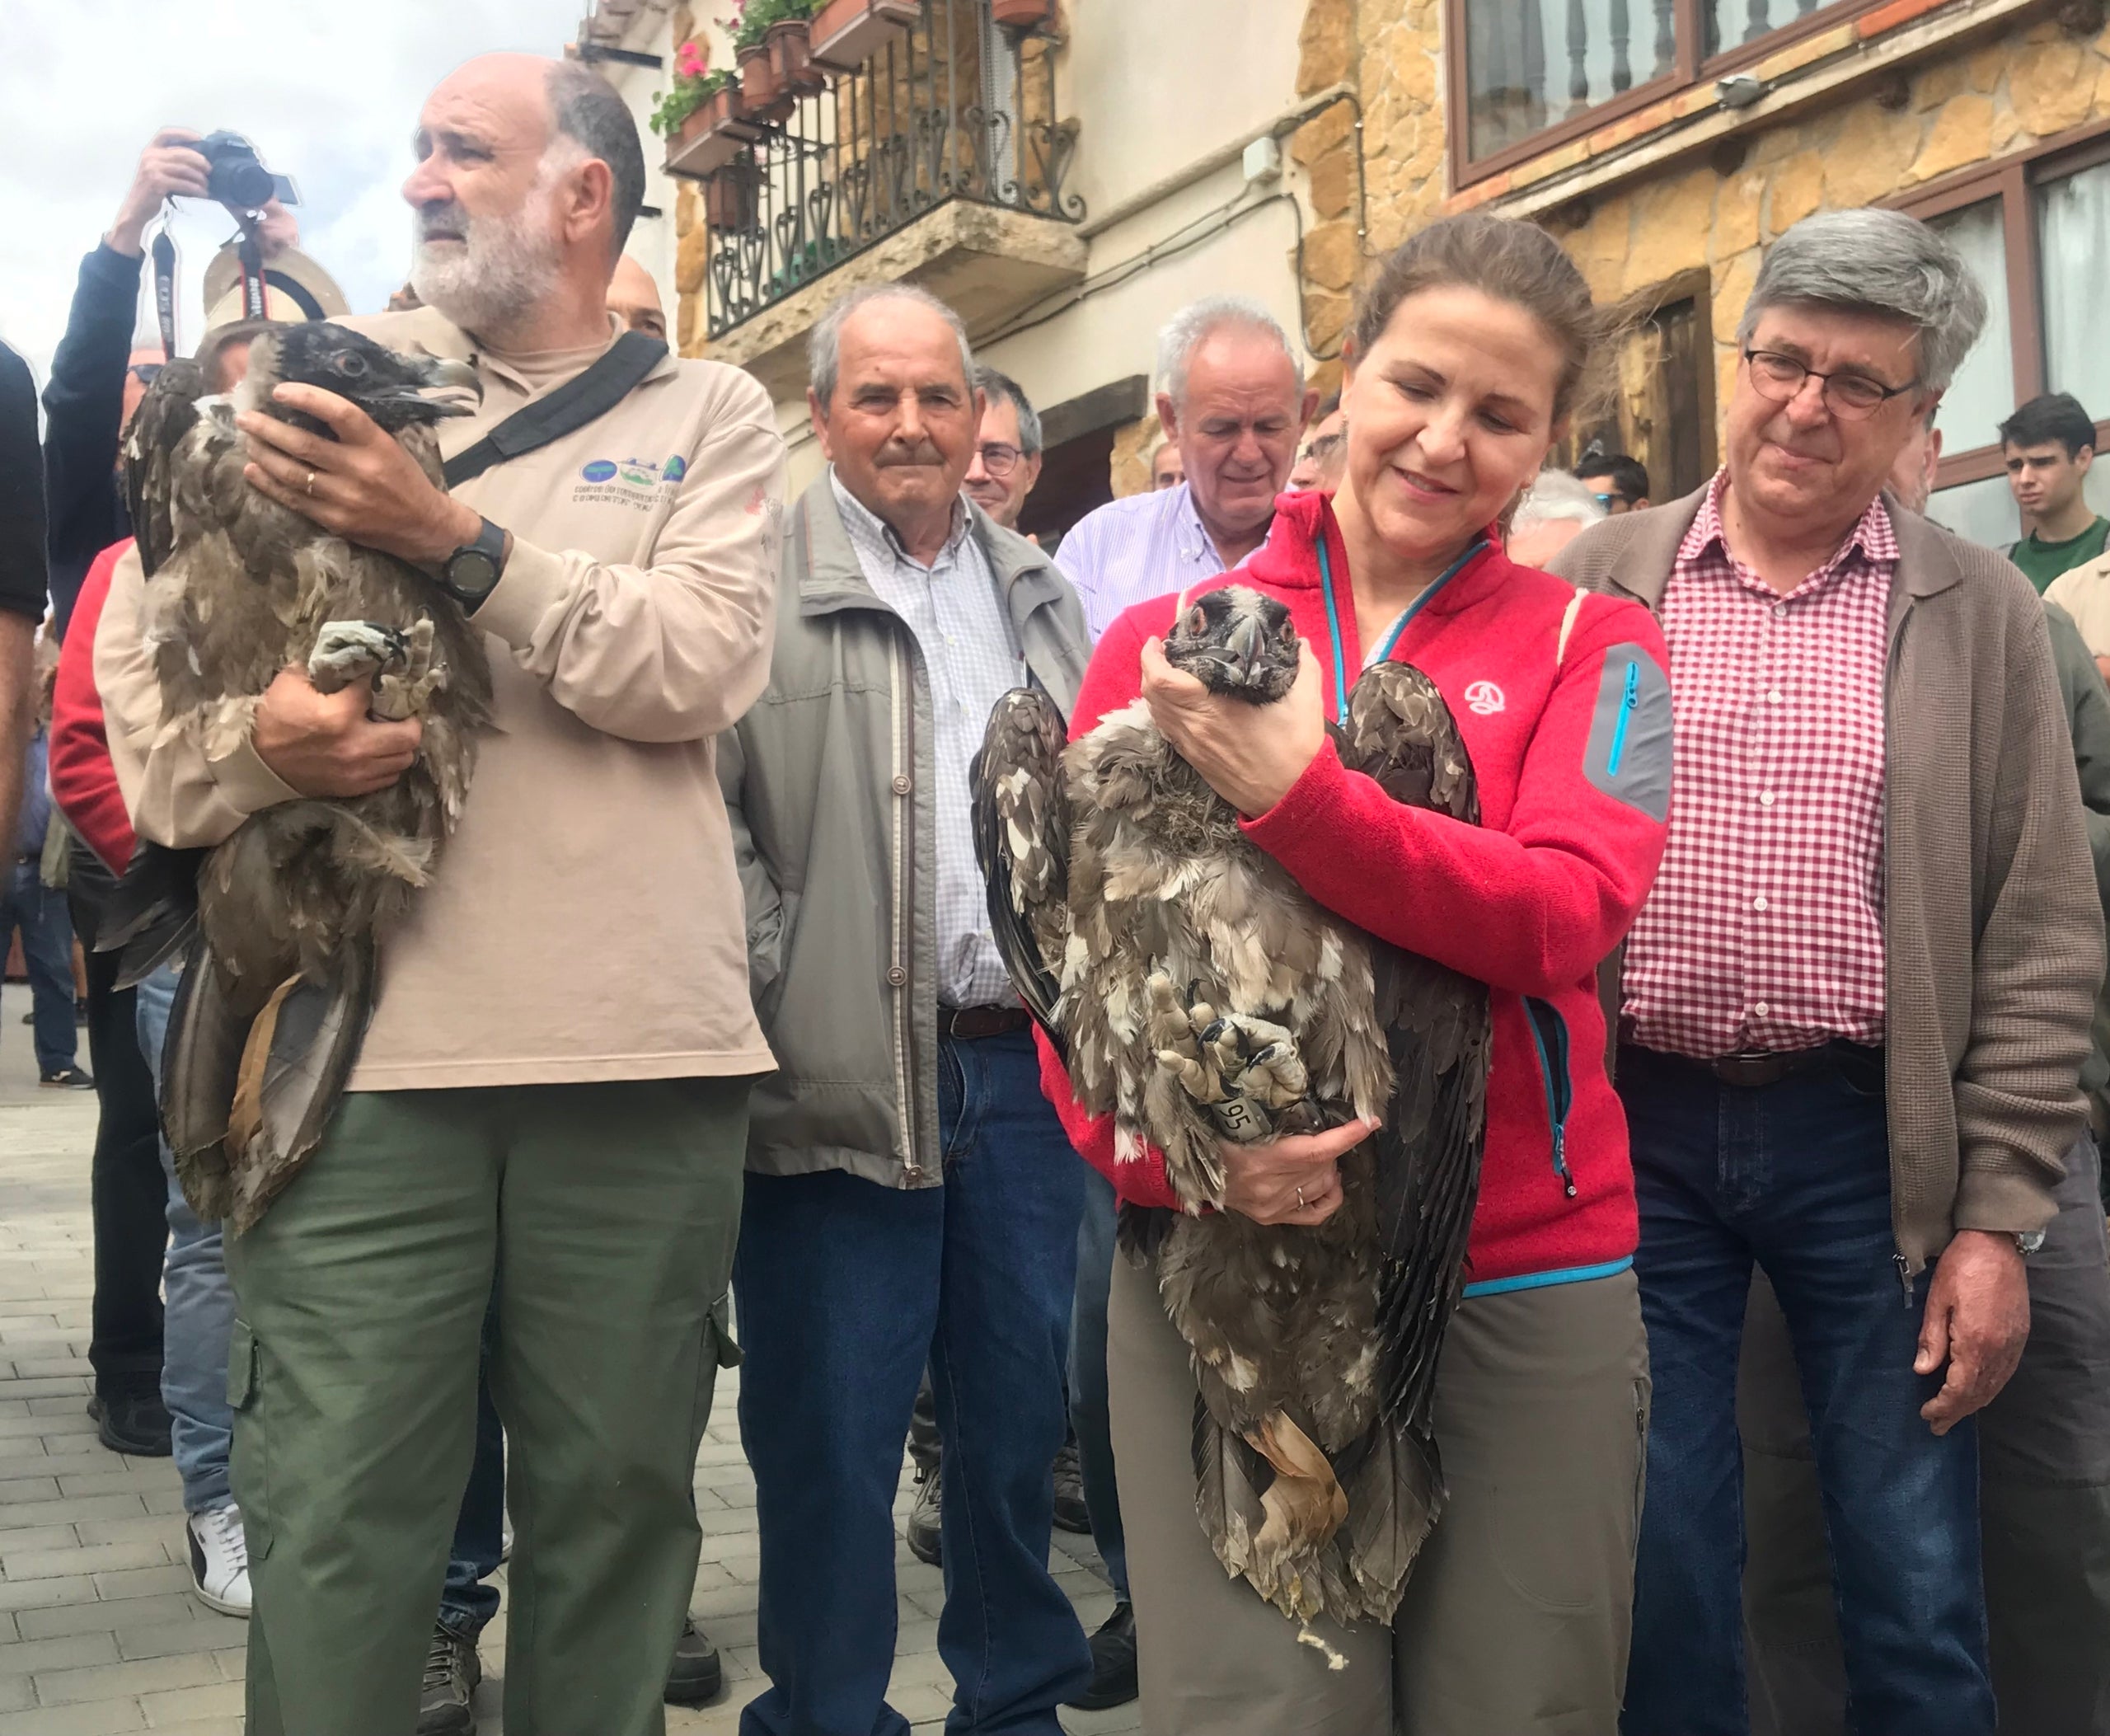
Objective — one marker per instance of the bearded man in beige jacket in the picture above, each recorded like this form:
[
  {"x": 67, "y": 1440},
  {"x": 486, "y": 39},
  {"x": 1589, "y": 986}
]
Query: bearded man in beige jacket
[{"x": 552, "y": 1096}]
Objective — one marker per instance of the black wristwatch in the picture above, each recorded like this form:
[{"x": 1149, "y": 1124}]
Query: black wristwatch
[{"x": 472, "y": 571}]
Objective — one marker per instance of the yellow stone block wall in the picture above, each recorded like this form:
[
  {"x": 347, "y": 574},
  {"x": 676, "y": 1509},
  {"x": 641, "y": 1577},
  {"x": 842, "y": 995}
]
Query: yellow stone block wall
[{"x": 1958, "y": 110}]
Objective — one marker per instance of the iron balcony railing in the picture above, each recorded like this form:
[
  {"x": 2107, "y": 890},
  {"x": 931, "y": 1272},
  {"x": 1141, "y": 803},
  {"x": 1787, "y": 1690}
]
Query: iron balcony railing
[{"x": 956, "y": 107}]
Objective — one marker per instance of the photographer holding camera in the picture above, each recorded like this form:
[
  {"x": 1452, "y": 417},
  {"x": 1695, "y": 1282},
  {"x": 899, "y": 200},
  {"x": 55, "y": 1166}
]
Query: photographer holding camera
[{"x": 97, "y": 380}]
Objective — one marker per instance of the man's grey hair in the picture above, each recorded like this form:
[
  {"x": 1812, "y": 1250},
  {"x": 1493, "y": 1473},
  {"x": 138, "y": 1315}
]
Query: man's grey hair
[
  {"x": 1002, "y": 387},
  {"x": 1187, "y": 329},
  {"x": 1553, "y": 496},
  {"x": 585, "y": 109},
  {"x": 1878, "y": 262},
  {"x": 824, "y": 347}
]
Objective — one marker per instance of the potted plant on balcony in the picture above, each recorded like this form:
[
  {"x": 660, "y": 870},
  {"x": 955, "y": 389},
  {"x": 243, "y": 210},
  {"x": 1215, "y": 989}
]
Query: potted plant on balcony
[
  {"x": 769, "y": 95},
  {"x": 845, "y": 33},
  {"x": 710, "y": 134},
  {"x": 790, "y": 49},
  {"x": 732, "y": 195},
  {"x": 1021, "y": 14},
  {"x": 686, "y": 95}
]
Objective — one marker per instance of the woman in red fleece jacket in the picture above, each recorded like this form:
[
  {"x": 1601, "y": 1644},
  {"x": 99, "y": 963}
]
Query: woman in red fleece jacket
[{"x": 1468, "y": 358}]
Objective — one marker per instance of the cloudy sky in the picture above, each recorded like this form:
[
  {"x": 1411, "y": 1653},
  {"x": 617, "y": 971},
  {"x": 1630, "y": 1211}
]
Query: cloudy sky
[{"x": 328, "y": 93}]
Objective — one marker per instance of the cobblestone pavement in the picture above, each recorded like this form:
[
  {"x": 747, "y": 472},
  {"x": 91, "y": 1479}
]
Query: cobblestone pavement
[{"x": 98, "y": 1632}]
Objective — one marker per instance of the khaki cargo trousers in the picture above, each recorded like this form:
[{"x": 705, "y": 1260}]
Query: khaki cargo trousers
[
  {"x": 2044, "y": 1505},
  {"x": 605, "y": 1215},
  {"x": 1516, "y": 1618}
]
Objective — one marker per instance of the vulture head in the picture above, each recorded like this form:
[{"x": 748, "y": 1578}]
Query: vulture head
[
  {"x": 1236, "y": 642},
  {"x": 388, "y": 386}
]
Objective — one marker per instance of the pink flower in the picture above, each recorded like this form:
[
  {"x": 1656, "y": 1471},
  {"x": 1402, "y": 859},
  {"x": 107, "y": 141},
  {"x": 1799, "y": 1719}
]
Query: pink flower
[{"x": 691, "y": 61}]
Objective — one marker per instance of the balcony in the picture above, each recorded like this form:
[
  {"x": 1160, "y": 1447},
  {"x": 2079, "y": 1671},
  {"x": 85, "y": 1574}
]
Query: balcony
[{"x": 937, "y": 155}]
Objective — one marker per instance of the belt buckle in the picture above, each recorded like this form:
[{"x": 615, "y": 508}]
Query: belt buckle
[{"x": 1751, "y": 1069}]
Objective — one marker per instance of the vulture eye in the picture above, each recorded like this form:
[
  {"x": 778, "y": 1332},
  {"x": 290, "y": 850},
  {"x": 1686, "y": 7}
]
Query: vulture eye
[
  {"x": 351, "y": 364},
  {"x": 1197, "y": 623},
  {"x": 1289, "y": 632}
]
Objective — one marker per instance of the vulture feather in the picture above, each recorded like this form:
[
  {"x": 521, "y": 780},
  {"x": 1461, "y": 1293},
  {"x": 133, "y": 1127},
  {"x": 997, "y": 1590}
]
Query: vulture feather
[
  {"x": 277, "y": 927},
  {"x": 1197, "y": 993}
]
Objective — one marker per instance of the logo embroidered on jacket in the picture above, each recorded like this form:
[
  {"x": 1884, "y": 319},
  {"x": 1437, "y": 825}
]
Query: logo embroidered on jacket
[{"x": 1483, "y": 699}]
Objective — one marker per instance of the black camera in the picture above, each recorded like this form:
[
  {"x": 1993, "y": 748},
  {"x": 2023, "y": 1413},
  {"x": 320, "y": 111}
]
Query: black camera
[{"x": 236, "y": 176}]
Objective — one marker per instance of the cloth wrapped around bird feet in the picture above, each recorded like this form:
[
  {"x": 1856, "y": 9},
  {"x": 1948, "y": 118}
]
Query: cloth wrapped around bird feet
[
  {"x": 1195, "y": 990},
  {"x": 277, "y": 928}
]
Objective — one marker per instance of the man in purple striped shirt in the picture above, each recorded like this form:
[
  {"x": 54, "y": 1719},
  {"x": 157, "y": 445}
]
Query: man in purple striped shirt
[{"x": 1234, "y": 402}]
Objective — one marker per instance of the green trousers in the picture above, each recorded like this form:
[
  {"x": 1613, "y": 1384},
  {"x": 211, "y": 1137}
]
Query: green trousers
[{"x": 605, "y": 1216}]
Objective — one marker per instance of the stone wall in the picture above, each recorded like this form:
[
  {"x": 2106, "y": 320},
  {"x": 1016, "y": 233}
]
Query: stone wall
[{"x": 1984, "y": 99}]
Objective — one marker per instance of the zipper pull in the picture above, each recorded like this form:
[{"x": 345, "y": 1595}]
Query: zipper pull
[
  {"x": 1560, "y": 1159},
  {"x": 1904, "y": 1276}
]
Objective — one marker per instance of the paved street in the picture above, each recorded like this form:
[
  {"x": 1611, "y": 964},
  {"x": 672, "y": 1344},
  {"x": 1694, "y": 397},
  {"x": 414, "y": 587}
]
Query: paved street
[{"x": 98, "y": 1632}]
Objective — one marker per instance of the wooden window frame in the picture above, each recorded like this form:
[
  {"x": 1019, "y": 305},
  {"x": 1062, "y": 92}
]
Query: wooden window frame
[
  {"x": 2012, "y": 179},
  {"x": 1687, "y": 68}
]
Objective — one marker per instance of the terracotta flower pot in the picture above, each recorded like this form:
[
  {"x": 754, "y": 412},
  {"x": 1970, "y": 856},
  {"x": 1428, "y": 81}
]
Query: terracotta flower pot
[
  {"x": 729, "y": 199},
  {"x": 845, "y": 33},
  {"x": 790, "y": 52},
  {"x": 763, "y": 96},
  {"x": 1022, "y": 15},
  {"x": 712, "y": 136}
]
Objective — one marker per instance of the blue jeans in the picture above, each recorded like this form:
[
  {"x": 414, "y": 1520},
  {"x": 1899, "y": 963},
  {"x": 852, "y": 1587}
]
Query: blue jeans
[
  {"x": 845, "y": 1288},
  {"x": 1795, "y": 1175},
  {"x": 199, "y": 1304},
  {"x": 39, "y": 913},
  {"x": 1088, "y": 1407}
]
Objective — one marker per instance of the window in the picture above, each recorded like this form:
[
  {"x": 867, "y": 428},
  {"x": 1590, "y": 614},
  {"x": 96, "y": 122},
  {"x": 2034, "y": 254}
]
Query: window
[
  {"x": 2035, "y": 229},
  {"x": 1663, "y": 413},
  {"x": 1536, "y": 72}
]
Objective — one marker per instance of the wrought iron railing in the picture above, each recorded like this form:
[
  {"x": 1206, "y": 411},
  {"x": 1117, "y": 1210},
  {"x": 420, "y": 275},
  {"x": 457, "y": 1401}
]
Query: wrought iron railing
[{"x": 957, "y": 106}]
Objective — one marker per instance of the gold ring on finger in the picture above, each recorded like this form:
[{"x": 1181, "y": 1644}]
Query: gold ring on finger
[
  {"x": 310, "y": 481},
  {"x": 1300, "y": 1200}
]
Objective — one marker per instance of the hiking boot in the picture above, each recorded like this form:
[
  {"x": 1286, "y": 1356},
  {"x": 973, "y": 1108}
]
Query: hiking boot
[
  {"x": 925, "y": 1529},
  {"x": 447, "y": 1697},
  {"x": 134, "y": 1424},
  {"x": 1071, "y": 1512},
  {"x": 219, "y": 1558},
  {"x": 696, "y": 1675},
  {"x": 1113, "y": 1663}
]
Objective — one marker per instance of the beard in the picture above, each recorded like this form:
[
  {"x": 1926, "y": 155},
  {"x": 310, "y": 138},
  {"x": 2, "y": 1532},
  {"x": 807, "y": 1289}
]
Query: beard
[{"x": 501, "y": 267}]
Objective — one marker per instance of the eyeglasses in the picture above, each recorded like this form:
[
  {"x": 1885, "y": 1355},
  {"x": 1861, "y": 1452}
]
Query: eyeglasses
[
  {"x": 1853, "y": 397},
  {"x": 1606, "y": 500},
  {"x": 1319, "y": 451},
  {"x": 145, "y": 372},
  {"x": 999, "y": 459}
]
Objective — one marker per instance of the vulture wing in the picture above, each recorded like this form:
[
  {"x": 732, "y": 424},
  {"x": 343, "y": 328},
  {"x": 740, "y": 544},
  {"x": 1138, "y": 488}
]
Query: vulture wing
[
  {"x": 165, "y": 414},
  {"x": 1438, "y": 1027},
  {"x": 1022, "y": 841}
]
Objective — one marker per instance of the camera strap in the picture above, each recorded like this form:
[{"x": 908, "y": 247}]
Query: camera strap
[
  {"x": 251, "y": 257},
  {"x": 164, "y": 251}
]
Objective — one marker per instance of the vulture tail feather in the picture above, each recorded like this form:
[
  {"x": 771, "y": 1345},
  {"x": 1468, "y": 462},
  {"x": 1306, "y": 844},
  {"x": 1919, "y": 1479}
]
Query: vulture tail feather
[
  {"x": 200, "y": 1062},
  {"x": 153, "y": 913},
  {"x": 294, "y": 1067}
]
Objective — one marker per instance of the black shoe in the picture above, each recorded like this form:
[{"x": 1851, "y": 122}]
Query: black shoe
[
  {"x": 447, "y": 1697},
  {"x": 1071, "y": 1512},
  {"x": 696, "y": 1676},
  {"x": 924, "y": 1530},
  {"x": 1113, "y": 1663},
  {"x": 68, "y": 1078},
  {"x": 134, "y": 1424}
]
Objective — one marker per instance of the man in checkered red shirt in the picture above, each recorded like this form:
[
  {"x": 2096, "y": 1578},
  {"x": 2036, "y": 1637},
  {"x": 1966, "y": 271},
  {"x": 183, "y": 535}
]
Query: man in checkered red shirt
[{"x": 1854, "y": 1011}]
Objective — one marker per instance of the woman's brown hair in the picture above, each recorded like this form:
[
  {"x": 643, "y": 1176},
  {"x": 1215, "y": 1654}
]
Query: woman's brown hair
[{"x": 1511, "y": 261}]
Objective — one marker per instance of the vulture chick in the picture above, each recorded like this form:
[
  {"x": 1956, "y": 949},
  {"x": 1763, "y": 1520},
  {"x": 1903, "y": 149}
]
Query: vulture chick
[
  {"x": 1198, "y": 991},
  {"x": 278, "y": 925}
]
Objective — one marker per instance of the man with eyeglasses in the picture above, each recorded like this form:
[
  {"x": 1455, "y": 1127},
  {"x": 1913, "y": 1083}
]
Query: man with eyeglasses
[
  {"x": 1006, "y": 461},
  {"x": 1324, "y": 456},
  {"x": 1852, "y": 1013},
  {"x": 1619, "y": 483}
]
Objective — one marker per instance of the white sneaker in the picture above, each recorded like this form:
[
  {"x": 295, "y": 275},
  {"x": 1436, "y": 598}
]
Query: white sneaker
[{"x": 219, "y": 1560}]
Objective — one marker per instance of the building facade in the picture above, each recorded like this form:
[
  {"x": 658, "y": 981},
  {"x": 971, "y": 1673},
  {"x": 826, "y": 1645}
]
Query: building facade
[{"x": 1069, "y": 181}]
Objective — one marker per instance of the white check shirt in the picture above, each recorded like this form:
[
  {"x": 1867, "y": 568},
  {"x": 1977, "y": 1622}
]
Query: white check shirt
[
  {"x": 1129, "y": 550},
  {"x": 971, "y": 659}
]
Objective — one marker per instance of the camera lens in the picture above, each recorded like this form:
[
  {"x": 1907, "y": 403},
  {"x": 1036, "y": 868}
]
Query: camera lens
[{"x": 241, "y": 181}]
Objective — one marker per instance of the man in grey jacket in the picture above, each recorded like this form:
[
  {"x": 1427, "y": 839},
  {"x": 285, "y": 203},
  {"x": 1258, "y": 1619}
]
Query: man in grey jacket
[
  {"x": 910, "y": 1196},
  {"x": 1853, "y": 1011}
]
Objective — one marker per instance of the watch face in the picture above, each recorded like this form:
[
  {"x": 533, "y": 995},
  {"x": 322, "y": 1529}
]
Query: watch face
[{"x": 472, "y": 570}]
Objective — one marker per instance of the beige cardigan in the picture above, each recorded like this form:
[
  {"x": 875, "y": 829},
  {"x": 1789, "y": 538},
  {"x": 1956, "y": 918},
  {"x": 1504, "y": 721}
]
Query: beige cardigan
[
  {"x": 1992, "y": 927},
  {"x": 587, "y": 922}
]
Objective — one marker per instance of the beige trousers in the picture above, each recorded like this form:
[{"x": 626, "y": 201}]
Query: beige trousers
[{"x": 1517, "y": 1619}]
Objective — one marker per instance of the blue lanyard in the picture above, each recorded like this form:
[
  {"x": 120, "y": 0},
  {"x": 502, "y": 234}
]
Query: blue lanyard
[{"x": 1392, "y": 637}]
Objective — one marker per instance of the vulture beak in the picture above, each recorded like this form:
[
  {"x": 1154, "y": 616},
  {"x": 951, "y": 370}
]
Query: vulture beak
[
  {"x": 456, "y": 376},
  {"x": 1247, "y": 642}
]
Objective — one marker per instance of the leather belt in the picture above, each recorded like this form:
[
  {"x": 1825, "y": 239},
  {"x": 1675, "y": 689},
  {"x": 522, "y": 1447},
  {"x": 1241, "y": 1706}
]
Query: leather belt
[
  {"x": 1755, "y": 1069},
  {"x": 971, "y": 1022}
]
